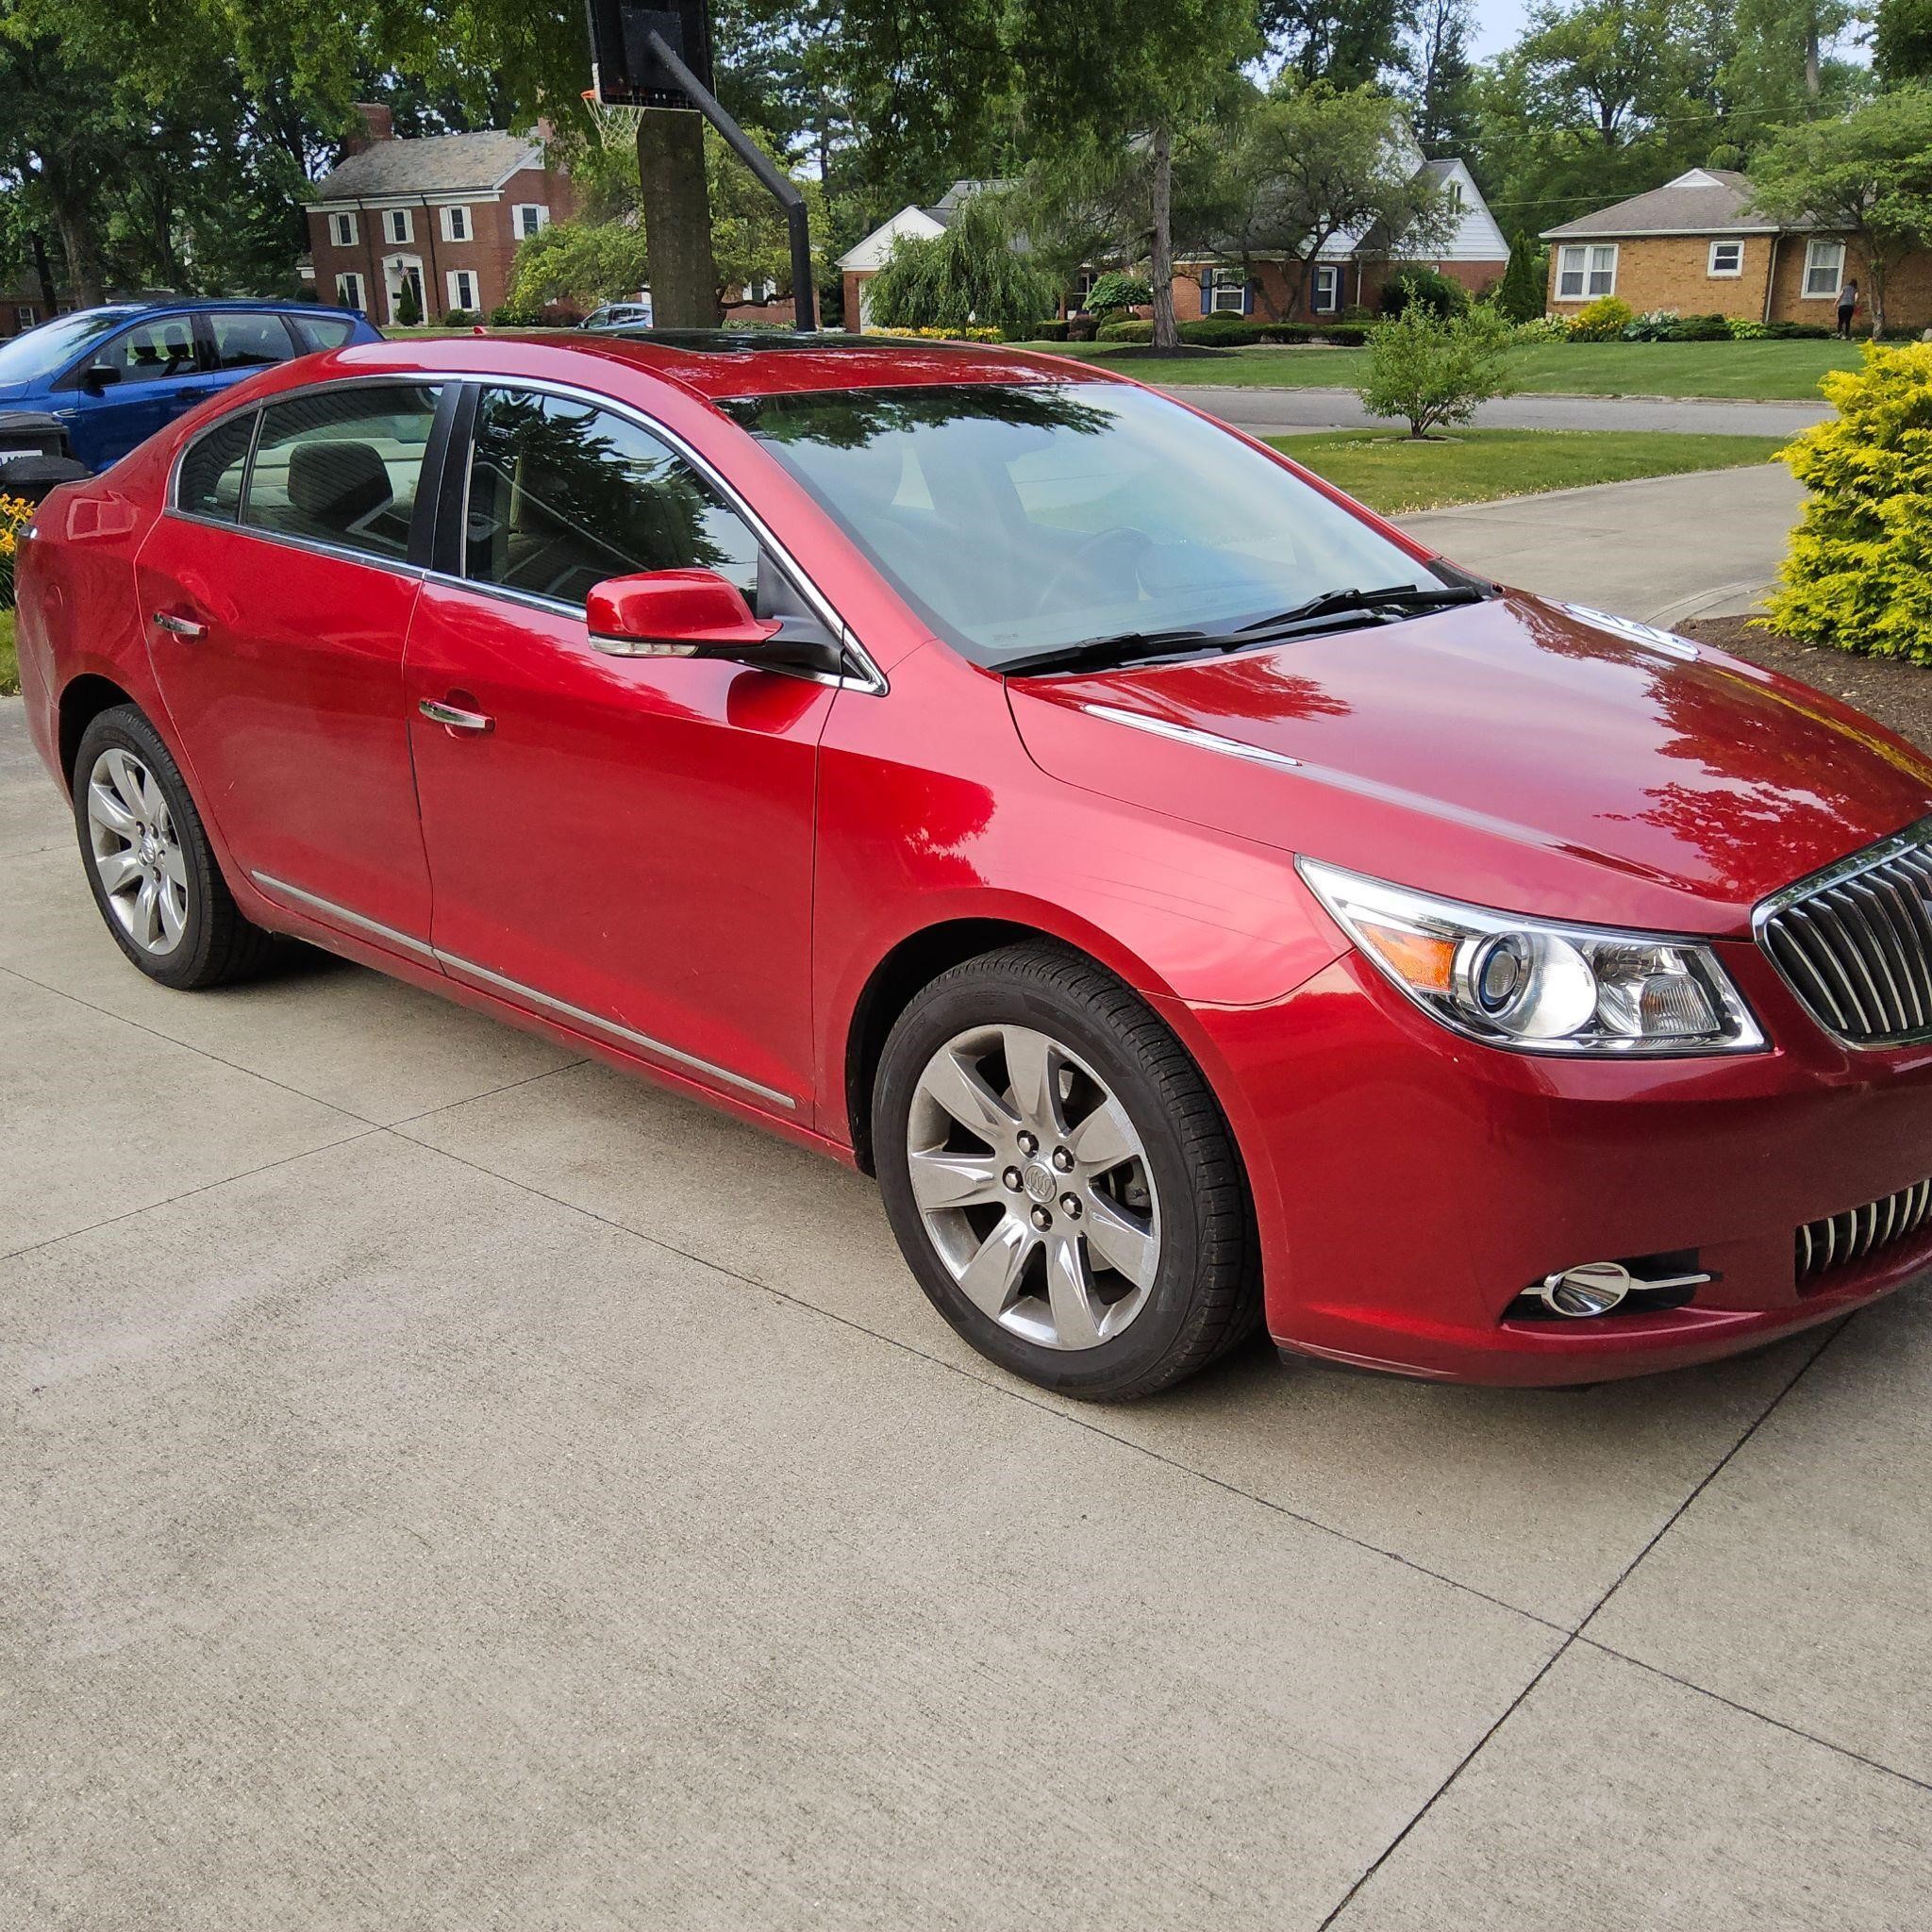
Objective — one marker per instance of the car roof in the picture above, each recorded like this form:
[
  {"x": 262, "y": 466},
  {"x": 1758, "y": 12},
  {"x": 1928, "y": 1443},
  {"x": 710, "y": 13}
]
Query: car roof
[
  {"x": 718, "y": 370},
  {"x": 175, "y": 305}
]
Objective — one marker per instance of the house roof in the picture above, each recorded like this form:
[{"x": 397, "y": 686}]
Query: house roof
[
  {"x": 1701, "y": 201},
  {"x": 431, "y": 165}
]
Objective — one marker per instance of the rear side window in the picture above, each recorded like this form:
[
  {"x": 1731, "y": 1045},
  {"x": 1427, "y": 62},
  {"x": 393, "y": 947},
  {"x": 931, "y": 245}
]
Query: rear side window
[
  {"x": 153, "y": 351},
  {"x": 249, "y": 341},
  {"x": 563, "y": 495},
  {"x": 211, "y": 472},
  {"x": 321, "y": 331},
  {"x": 343, "y": 466}
]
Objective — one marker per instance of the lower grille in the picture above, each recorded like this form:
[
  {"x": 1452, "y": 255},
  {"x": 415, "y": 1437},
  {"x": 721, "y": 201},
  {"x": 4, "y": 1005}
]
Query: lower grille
[{"x": 1838, "y": 1242}]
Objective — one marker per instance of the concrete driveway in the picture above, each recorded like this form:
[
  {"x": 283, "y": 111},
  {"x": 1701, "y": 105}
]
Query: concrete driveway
[{"x": 449, "y": 1485}]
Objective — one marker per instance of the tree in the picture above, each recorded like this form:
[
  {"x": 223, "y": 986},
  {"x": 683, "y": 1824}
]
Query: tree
[
  {"x": 1902, "y": 41},
  {"x": 580, "y": 262},
  {"x": 1315, "y": 162},
  {"x": 1346, "y": 42},
  {"x": 1867, "y": 177},
  {"x": 1431, "y": 369},
  {"x": 969, "y": 273},
  {"x": 1439, "y": 64},
  {"x": 1131, "y": 72},
  {"x": 1522, "y": 296}
]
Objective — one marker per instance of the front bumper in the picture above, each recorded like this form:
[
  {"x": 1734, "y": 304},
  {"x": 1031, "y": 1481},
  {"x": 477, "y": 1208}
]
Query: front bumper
[{"x": 1410, "y": 1185}]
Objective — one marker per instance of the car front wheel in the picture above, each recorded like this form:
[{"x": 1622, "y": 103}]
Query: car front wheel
[{"x": 1060, "y": 1178}]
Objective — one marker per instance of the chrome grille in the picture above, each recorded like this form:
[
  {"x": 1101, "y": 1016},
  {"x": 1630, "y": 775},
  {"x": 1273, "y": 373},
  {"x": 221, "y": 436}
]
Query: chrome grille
[
  {"x": 1855, "y": 942},
  {"x": 1842, "y": 1239}
]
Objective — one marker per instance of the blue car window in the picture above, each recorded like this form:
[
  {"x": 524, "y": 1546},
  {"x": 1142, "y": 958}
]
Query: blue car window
[
  {"x": 321, "y": 331},
  {"x": 154, "y": 351},
  {"x": 246, "y": 339}
]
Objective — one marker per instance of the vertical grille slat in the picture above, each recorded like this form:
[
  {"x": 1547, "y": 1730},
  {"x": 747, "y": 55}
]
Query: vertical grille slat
[
  {"x": 1841, "y": 1240},
  {"x": 1854, "y": 942}
]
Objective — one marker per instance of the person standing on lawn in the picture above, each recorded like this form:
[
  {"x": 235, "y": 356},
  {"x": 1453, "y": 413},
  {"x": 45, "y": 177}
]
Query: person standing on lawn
[{"x": 1847, "y": 308}]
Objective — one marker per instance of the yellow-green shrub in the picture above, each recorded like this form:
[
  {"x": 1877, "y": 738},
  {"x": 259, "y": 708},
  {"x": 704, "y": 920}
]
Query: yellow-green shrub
[
  {"x": 1602, "y": 320},
  {"x": 1858, "y": 576}
]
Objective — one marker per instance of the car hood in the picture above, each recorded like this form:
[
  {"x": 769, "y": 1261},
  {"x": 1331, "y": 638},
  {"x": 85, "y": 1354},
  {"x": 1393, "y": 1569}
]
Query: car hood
[{"x": 1520, "y": 754}]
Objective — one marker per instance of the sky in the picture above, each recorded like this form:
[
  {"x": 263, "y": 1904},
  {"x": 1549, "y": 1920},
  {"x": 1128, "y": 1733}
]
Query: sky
[{"x": 1497, "y": 22}]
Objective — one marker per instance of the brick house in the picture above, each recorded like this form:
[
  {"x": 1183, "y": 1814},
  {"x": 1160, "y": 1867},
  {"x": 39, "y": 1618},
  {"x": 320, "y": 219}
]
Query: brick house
[
  {"x": 443, "y": 213},
  {"x": 22, "y": 306},
  {"x": 1212, "y": 280},
  {"x": 1350, "y": 270},
  {"x": 1695, "y": 245}
]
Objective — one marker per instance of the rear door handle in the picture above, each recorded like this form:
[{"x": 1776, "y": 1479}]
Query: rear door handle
[
  {"x": 454, "y": 717},
  {"x": 179, "y": 626}
]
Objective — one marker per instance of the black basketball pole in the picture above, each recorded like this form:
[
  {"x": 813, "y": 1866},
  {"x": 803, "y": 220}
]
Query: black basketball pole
[{"x": 797, "y": 218}]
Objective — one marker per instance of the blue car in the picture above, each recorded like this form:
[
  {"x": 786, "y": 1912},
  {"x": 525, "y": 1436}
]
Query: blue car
[{"x": 112, "y": 376}]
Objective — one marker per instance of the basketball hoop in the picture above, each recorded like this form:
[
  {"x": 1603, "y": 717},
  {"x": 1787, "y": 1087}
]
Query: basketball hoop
[{"x": 617, "y": 126}]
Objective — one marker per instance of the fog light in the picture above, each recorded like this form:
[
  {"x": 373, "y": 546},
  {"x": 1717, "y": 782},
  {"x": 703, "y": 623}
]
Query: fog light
[{"x": 1594, "y": 1288}]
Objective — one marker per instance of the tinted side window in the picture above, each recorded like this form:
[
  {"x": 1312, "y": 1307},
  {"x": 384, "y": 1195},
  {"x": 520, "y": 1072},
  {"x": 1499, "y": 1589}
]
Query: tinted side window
[
  {"x": 563, "y": 495},
  {"x": 320, "y": 331},
  {"x": 249, "y": 341},
  {"x": 149, "y": 352},
  {"x": 343, "y": 465},
  {"x": 211, "y": 480}
]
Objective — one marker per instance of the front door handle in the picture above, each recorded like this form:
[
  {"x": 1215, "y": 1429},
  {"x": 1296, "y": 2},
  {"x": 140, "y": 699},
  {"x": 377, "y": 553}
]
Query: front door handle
[
  {"x": 454, "y": 717},
  {"x": 179, "y": 626}
]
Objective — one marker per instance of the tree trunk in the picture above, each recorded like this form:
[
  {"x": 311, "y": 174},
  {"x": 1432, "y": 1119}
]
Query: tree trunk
[
  {"x": 1167, "y": 333},
  {"x": 1812, "y": 56},
  {"x": 43, "y": 268},
  {"x": 74, "y": 223},
  {"x": 1874, "y": 275},
  {"x": 678, "y": 220}
]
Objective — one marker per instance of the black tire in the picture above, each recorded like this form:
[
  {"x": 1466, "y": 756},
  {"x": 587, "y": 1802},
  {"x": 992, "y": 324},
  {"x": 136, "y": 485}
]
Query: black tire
[
  {"x": 217, "y": 944},
  {"x": 1206, "y": 1292}
]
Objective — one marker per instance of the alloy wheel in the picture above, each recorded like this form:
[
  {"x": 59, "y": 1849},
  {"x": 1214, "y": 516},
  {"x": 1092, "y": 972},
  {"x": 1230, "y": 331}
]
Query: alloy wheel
[
  {"x": 1033, "y": 1185},
  {"x": 136, "y": 851}
]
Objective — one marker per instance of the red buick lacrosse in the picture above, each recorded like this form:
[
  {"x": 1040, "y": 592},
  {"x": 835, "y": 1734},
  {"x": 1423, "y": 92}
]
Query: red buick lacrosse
[{"x": 1198, "y": 904}]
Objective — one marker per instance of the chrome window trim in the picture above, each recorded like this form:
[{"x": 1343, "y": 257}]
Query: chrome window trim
[
  {"x": 1187, "y": 734},
  {"x": 871, "y": 680},
  {"x": 450, "y": 962}
]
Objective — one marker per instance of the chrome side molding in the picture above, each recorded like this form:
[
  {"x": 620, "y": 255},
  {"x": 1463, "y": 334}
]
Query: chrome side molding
[
  {"x": 580, "y": 1016},
  {"x": 1187, "y": 734}
]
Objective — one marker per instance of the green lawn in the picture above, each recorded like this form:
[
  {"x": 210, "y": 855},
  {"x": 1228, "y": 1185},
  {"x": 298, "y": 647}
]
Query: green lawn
[
  {"x": 1755, "y": 371},
  {"x": 1391, "y": 472},
  {"x": 10, "y": 664}
]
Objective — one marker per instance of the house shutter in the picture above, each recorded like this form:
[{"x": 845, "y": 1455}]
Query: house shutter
[
  {"x": 1207, "y": 292},
  {"x": 1248, "y": 297}
]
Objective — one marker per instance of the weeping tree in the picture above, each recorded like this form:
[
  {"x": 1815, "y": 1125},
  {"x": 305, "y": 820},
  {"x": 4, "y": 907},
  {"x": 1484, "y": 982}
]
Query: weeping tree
[{"x": 972, "y": 272}]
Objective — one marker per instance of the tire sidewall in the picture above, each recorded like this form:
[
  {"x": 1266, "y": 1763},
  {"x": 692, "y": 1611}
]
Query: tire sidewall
[
  {"x": 125, "y": 728},
  {"x": 947, "y": 1010}
]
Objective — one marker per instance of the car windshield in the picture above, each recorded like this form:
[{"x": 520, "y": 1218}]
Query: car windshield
[
  {"x": 53, "y": 346},
  {"x": 1018, "y": 518}
]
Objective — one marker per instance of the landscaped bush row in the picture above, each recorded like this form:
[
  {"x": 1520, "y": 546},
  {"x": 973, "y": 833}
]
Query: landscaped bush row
[{"x": 1610, "y": 319}]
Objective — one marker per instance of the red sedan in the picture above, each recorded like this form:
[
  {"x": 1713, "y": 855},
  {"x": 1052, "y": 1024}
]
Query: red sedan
[{"x": 1196, "y": 901}]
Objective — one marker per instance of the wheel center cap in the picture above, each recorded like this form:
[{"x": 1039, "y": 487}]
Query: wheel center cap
[
  {"x": 150, "y": 848},
  {"x": 1039, "y": 1181}
]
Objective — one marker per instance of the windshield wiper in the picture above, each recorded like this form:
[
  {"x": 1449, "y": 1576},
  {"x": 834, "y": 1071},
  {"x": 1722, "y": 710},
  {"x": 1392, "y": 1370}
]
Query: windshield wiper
[
  {"x": 1390, "y": 597},
  {"x": 1104, "y": 654}
]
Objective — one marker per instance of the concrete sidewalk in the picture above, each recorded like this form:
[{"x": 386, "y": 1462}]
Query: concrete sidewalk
[
  {"x": 1281, "y": 411},
  {"x": 448, "y": 1484},
  {"x": 1662, "y": 548}
]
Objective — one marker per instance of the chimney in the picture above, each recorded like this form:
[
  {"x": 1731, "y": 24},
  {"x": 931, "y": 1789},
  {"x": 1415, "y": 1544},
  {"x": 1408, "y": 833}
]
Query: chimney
[{"x": 378, "y": 123}]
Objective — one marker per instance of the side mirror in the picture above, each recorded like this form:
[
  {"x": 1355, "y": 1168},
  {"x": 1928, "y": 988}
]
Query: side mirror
[
  {"x": 99, "y": 376},
  {"x": 673, "y": 613}
]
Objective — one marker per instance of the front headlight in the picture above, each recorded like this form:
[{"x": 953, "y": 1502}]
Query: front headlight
[{"x": 1537, "y": 987}]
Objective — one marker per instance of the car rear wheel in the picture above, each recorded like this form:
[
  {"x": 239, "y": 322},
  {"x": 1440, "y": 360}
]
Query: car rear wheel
[
  {"x": 148, "y": 861},
  {"x": 1060, "y": 1178}
]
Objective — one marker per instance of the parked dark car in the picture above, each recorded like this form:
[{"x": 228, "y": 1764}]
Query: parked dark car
[{"x": 111, "y": 377}]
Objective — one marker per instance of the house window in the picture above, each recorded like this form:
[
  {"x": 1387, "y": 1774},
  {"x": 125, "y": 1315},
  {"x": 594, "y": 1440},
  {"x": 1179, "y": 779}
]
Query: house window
[
  {"x": 526, "y": 218},
  {"x": 1824, "y": 270},
  {"x": 1726, "y": 259},
  {"x": 1585, "y": 271},
  {"x": 1325, "y": 297},
  {"x": 461, "y": 283},
  {"x": 1226, "y": 291},
  {"x": 1452, "y": 192},
  {"x": 349, "y": 292},
  {"x": 25, "y": 317},
  {"x": 456, "y": 225},
  {"x": 397, "y": 224},
  {"x": 341, "y": 230}
]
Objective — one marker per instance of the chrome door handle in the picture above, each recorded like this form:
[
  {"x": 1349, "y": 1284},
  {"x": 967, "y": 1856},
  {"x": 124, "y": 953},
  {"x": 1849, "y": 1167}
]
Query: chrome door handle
[
  {"x": 454, "y": 717},
  {"x": 179, "y": 626}
]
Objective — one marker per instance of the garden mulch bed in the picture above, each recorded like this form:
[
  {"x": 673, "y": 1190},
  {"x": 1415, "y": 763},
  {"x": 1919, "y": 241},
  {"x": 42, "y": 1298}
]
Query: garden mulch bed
[{"x": 1897, "y": 694}]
